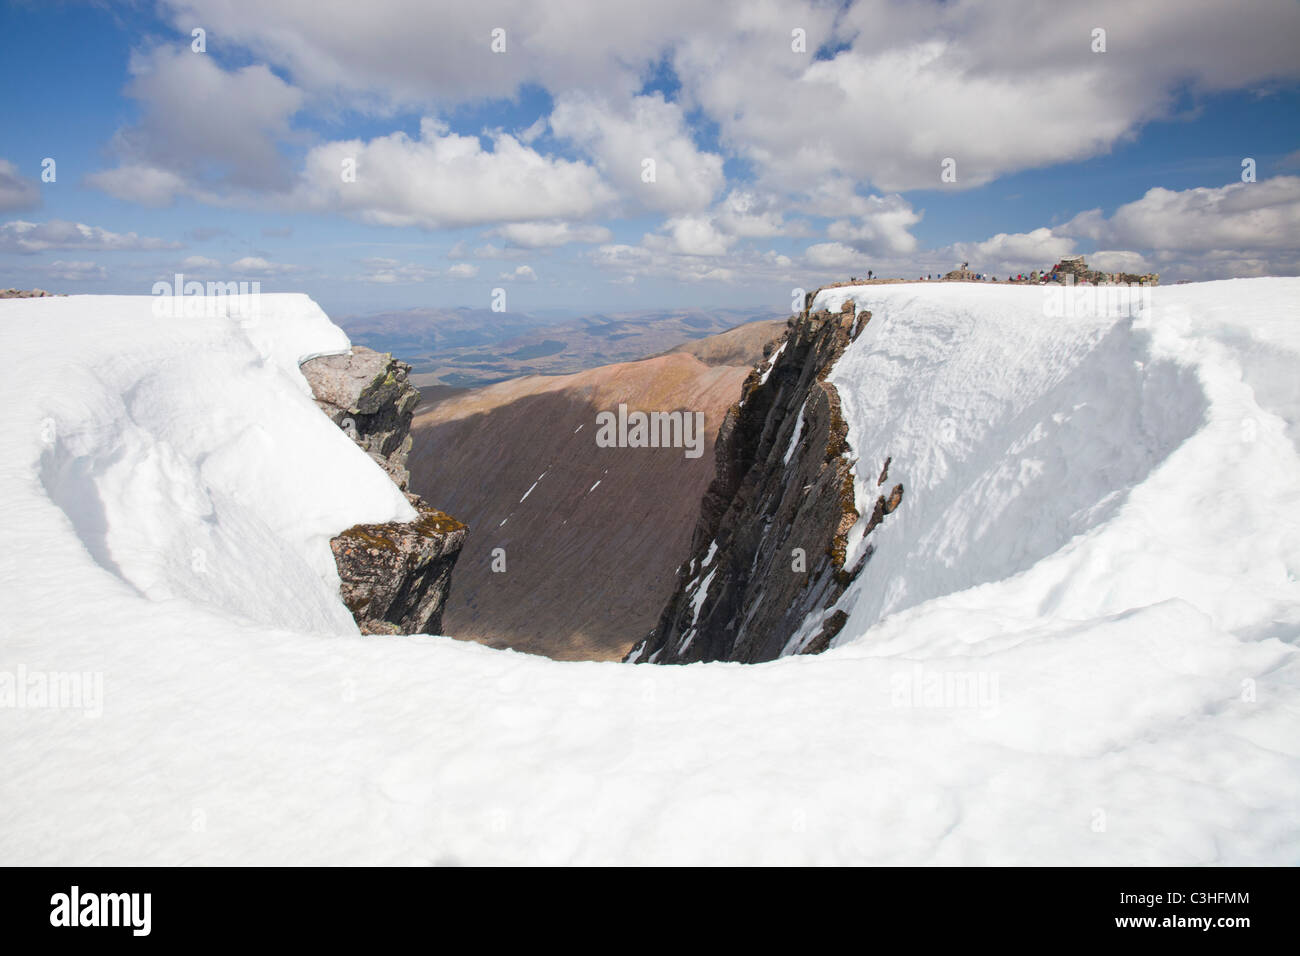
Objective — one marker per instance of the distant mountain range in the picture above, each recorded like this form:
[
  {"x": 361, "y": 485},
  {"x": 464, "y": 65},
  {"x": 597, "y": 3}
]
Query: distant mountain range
[{"x": 467, "y": 348}]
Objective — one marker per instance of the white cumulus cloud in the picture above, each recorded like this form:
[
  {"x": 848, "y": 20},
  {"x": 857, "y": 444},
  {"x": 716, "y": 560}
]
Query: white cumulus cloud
[
  {"x": 639, "y": 137},
  {"x": 521, "y": 274},
  {"x": 443, "y": 179},
  {"x": 32, "y": 237},
  {"x": 263, "y": 268}
]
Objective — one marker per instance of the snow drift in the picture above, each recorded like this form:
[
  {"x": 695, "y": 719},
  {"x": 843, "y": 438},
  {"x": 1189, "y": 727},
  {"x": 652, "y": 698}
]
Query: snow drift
[
  {"x": 1088, "y": 466},
  {"x": 187, "y": 456},
  {"x": 1075, "y": 642}
]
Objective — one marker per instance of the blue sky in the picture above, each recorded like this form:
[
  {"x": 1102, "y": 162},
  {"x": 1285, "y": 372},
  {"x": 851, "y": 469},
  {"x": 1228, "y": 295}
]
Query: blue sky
[{"x": 774, "y": 167}]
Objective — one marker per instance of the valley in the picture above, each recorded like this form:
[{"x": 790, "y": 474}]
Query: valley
[{"x": 590, "y": 536}]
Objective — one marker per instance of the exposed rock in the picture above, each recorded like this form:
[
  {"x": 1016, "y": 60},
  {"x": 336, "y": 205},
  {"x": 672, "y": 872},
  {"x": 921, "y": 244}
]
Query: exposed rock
[
  {"x": 1074, "y": 270},
  {"x": 395, "y": 576},
  {"x": 884, "y": 506},
  {"x": 770, "y": 545},
  {"x": 24, "y": 293},
  {"x": 832, "y": 626},
  {"x": 367, "y": 394}
]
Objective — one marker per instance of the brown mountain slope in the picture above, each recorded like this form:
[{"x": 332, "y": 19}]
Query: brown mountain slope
[
  {"x": 742, "y": 345},
  {"x": 591, "y": 535}
]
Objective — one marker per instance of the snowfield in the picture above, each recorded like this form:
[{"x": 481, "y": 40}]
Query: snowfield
[{"x": 1075, "y": 641}]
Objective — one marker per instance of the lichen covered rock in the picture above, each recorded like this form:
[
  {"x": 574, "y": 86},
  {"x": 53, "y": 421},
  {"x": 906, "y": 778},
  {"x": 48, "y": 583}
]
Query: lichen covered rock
[{"x": 396, "y": 576}]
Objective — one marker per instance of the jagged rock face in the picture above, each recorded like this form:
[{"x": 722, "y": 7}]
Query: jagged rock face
[
  {"x": 395, "y": 577},
  {"x": 367, "y": 394},
  {"x": 768, "y": 551}
]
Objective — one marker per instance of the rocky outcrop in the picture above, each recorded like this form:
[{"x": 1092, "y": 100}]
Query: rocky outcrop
[
  {"x": 1074, "y": 270},
  {"x": 24, "y": 294},
  {"x": 395, "y": 576},
  {"x": 767, "y": 558},
  {"x": 367, "y": 394}
]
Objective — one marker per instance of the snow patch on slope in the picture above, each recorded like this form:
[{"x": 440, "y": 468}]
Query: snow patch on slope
[
  {"x": 795, "y": 436},
  {"x": 532, "y": 486},
  {"x": 771, "y": 363}
]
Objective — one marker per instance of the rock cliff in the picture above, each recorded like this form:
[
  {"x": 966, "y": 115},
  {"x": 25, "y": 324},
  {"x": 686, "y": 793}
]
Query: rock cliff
[
  {"x": 767, "y": 555},
  {"x": 395, "y": 576},
  {"x": 367, "y": 394}
]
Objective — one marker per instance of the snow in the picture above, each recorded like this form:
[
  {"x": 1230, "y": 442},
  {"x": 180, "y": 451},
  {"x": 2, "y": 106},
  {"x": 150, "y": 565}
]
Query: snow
[
  {"x": 701, "y": 588},
  {"x": 794, "y": 436},
  {"x": 184, "y": 456},
  {"x": 701, "y": 592},
  {"x": 771, "y": 363},
  {"x": 1075, "y": 642},
  {"x": 1115, "y": 462},
  {"x": 531, "y": 487}
]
